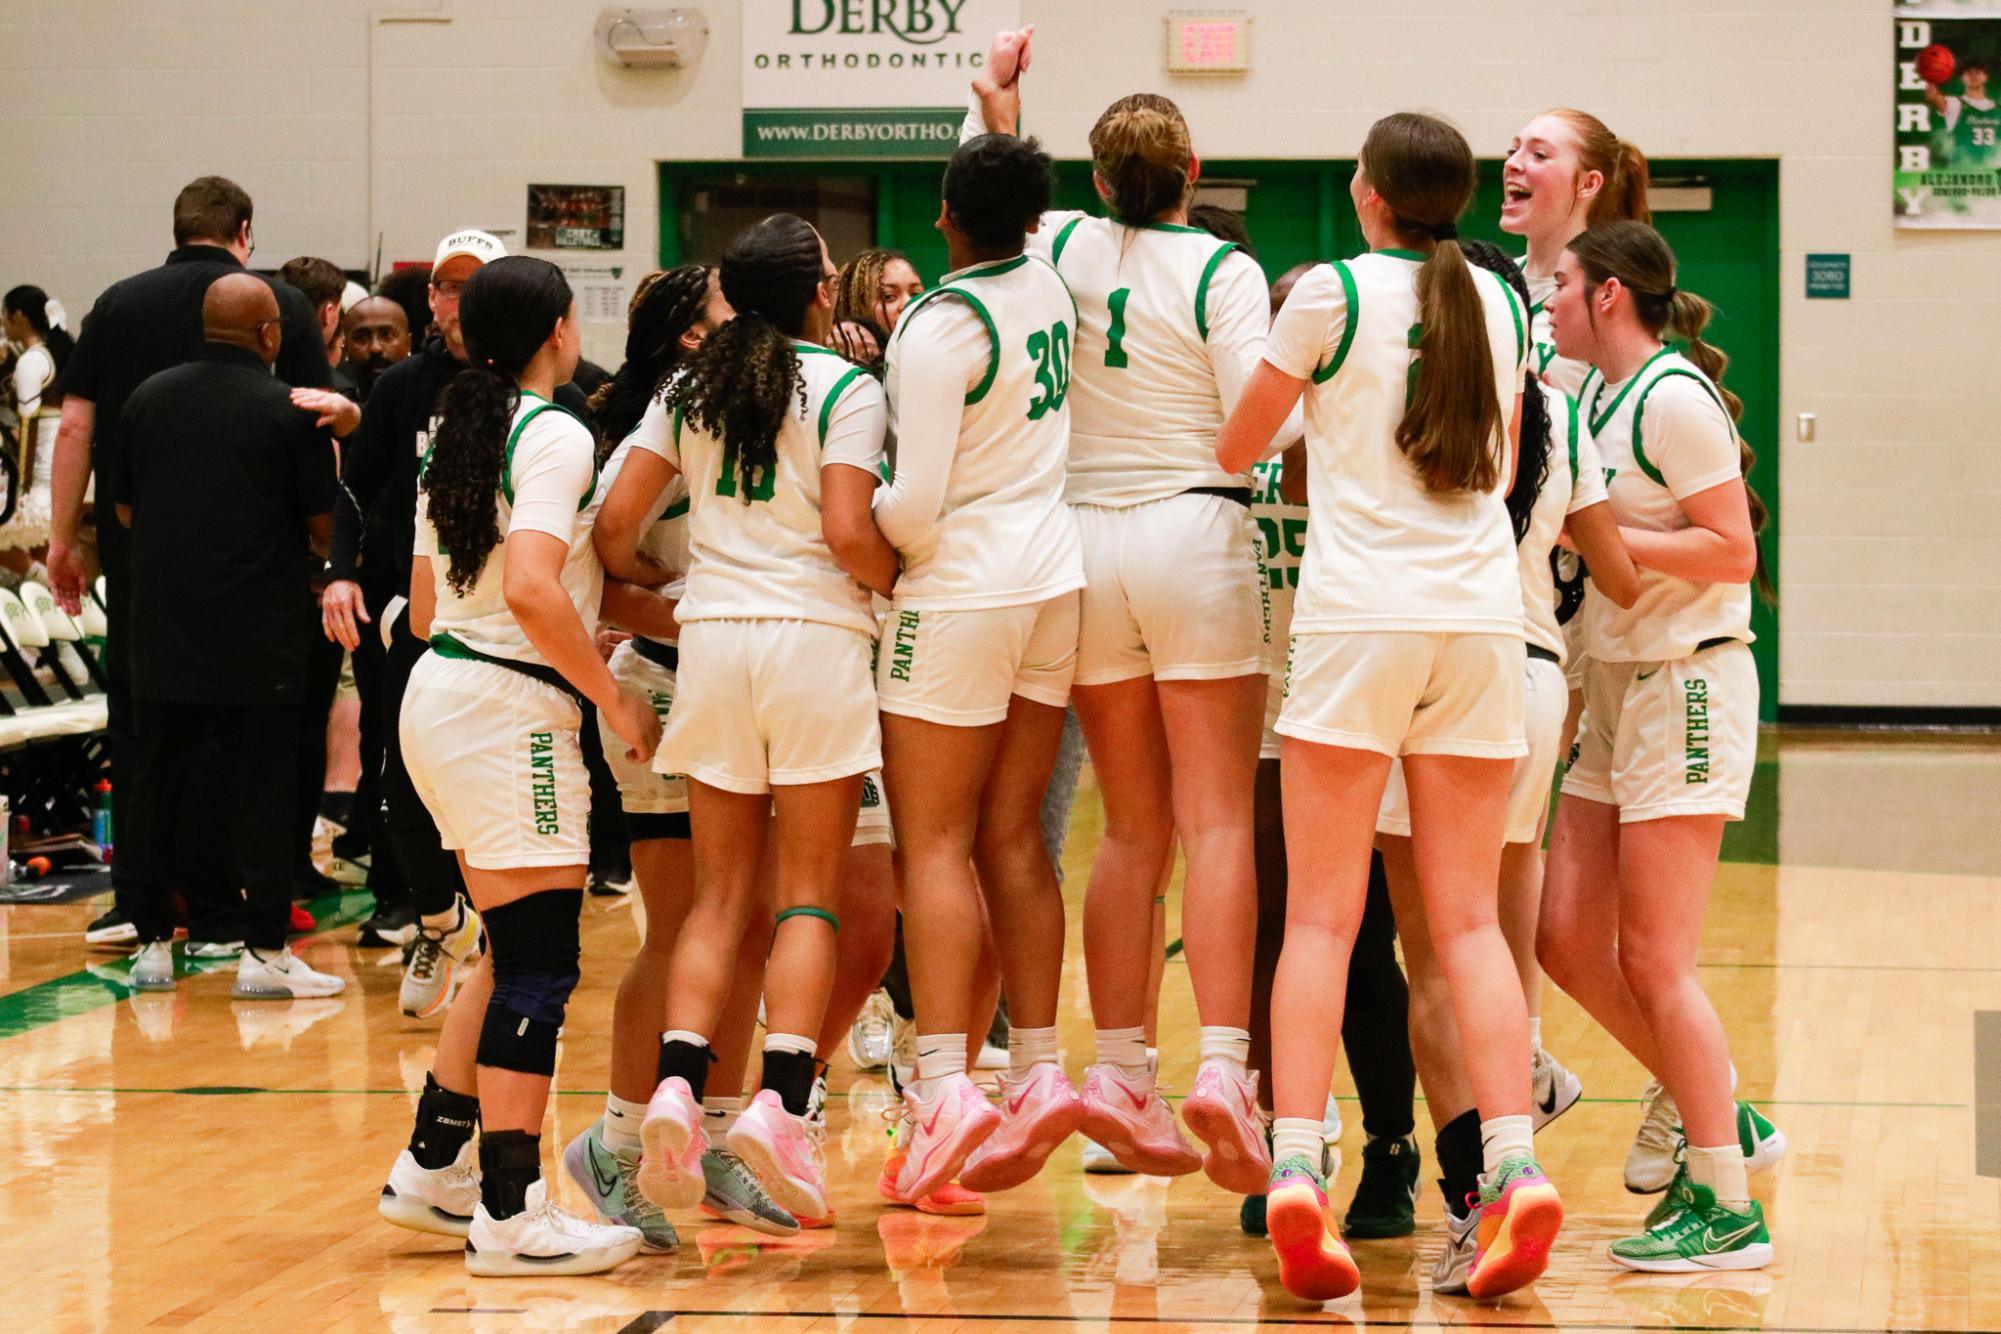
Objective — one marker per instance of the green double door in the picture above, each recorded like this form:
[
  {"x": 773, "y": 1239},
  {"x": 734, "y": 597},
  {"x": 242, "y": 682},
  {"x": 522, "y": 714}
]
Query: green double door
[{"x": 1299, "y": 211}]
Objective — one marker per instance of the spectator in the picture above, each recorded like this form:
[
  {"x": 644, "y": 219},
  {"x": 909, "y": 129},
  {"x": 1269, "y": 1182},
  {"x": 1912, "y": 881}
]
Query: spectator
[
  {"x": 45, "y": 345},
  {"x": 411, "y": 289},
  {"x": 140, "y": 326},
  {"x": 323, "y": 284},
  {"x": 222, "y": 483},
  {"x": 376, "y": 335}
]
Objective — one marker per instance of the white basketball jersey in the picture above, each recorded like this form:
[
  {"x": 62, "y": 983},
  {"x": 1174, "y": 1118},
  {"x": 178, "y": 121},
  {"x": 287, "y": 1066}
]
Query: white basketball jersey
[
  {"x": 1664, "y": 435},
  {"x": 1382, "y": 552},
  {"x": 1576, "y": 481},
  {"x": 664, "y": 537},
  {"x": 1559, "y": 373},
  {"x": 548, "y": 484},
  {"x": 1171, "y": 321},
  {"x": 756, "y": 548},
  {"x": 1004, "y": 536}
]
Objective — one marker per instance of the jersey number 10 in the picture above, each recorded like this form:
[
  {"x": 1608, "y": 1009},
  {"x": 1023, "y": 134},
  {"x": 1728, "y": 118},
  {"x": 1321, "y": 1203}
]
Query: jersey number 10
[{"x": 764, "y": 481}]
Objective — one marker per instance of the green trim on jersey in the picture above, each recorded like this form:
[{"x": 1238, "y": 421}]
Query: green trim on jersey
[
  {"x": 675, "y": 510},
  {"x": 979, "y": 390},
  {"x": 1640, "y": 414},
  {"x": 1202, "y": 288},
  {"x": 833, "y": 397},
  {"x": 1162, "y": 227},
  {"x": 1418, "y": 255},
  {"x": 1515, "y": 313},
  {"x": 1599, "y": 419},
  {"x": 1326, "y": 373},
  {"x": 1062, "y": 239},
  {"x": 814, "y": 350},
  {"x": 1573, "y": 440},
  {"x": 514, "y": 437},
  {"x": 986, "y": 269}
]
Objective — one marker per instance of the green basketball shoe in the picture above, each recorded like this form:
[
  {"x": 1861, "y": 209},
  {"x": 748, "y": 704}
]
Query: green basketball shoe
[{"x": 1701, "y": 1235}]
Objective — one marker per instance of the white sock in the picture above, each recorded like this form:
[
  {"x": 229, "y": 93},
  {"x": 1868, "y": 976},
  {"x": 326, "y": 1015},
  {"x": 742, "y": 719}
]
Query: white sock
[
  {"x": 1226, "y": 1044},
  {"x": 1722, "y": 1170},
  {"x": 1028, "y": 1047},
  {"x": 1535, "y": 1034},
  {"x": 1505, "y": 1137},
  {"x": 1733, "y": 1078},
  {"x": 448, "y": 920},
  {"x": 791, "y": 1042},
  {"x": 1297, "y": 1137},
  {"x": 940, "y": 1055},
  {"x": 719, "y": 1114},
  {"x": 621, "y": 1122},
  {"x": 1123, "y": 1047}
]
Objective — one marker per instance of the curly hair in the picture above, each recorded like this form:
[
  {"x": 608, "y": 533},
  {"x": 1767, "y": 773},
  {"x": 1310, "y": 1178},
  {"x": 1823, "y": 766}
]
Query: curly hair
[
  {"x": 666, "y": 307},
  {"x": 741, "y": 385},
  {"x": 508, "y": 310},
  {"x": 1532, "y": 466},
  {"x": 858, "y": 289}
]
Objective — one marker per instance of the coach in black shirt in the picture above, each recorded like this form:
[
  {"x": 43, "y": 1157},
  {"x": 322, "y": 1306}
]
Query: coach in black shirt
[
  {"x": 138, "y": 327},
  {"x": 225, "y": 485}
]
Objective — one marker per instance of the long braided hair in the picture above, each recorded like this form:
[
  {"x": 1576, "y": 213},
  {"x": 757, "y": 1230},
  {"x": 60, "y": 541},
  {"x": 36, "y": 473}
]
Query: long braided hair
[
  {"x": 742, "y": 383},
  {"x": 1532, "y": 464},
  {"x": 664, "y": 309},
  {"x": 508, "y": 310}
]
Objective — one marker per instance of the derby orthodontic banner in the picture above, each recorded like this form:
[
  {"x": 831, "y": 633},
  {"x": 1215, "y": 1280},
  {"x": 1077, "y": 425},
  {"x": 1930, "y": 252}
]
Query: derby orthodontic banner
[
  {"x": 1947, "y": 171},
  {"x": 862, "y": 78}
]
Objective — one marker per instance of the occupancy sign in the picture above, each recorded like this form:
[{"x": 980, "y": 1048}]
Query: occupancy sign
[{"x": 862, "y": 78}]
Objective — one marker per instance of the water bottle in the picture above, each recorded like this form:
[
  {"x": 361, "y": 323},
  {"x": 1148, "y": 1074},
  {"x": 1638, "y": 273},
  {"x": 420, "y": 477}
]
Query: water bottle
[{"x": 100, "y": 820}]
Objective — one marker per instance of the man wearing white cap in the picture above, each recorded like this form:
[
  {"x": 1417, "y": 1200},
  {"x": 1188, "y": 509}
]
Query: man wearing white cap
[{"x": 379, "y": 467}]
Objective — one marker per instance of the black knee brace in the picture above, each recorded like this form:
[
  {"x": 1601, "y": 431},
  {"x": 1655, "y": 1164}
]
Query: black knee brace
[{"x": 535, "y": 950}]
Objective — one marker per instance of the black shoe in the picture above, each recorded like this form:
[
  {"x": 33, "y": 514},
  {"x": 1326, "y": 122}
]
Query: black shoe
[
  {"x": 386, "y": 928},
  {"x": 1385, "y": 1203},
  {"x": 1251, "y": 1215},
  {"x": 610, "y": 883},
  {"x": 112, "y": 929},
  {"x": 337, "y": 807}
]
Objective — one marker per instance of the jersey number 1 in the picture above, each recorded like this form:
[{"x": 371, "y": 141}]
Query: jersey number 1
[{"x": 1051, "y": 350}]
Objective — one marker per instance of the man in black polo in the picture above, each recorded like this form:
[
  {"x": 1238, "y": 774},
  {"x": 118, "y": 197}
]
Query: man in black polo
[
  {"x": 226, "y": 488},
  {"x": 140, "y": 326}
]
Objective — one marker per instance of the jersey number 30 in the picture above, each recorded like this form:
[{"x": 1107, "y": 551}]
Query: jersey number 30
[{"x": 1051, "y": 350}]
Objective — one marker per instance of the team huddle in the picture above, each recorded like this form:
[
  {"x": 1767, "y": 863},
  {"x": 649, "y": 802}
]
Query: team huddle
[{"x": 861, "y": 598}]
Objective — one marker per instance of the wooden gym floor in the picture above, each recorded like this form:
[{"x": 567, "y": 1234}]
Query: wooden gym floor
[{"x": 185, "y": 1163}]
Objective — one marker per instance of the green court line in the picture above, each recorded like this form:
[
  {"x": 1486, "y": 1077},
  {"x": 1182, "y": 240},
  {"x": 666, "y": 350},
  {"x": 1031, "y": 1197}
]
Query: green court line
[
  {"x": 106, "y": 983},
  {"x": 237, "y": 1091}
]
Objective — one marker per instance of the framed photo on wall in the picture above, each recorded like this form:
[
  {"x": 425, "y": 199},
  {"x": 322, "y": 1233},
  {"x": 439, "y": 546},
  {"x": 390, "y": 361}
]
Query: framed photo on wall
[{"x": 576, "y": 217}]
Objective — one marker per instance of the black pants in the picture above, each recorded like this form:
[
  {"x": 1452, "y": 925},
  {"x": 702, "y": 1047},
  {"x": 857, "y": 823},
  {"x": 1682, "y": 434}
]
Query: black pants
[
  {"x": 431, "y": 872},
  {"x": 1375, "y": 1023},
  {"x": 210, "y": 815},
  {"x": 322, "y": 684},
  {"x": 365, "y": 818},
  {"x": 114, "y": 556}
]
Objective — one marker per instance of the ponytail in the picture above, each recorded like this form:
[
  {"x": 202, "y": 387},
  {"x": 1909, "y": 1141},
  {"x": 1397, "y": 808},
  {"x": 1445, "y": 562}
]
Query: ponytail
[
  {"x": 1688, "y": 316},
  {"x": 1640, "y": 259},
  {"x": 463, "y": 471},
  {"x": 1423, "y": 169},
  {"x": 1454, "y": 413},
  {"x": 1623, "y": 196},
  {"x": 508, "y": 311},
  {"x": 739, "y": 388},
  {"x": 1532, "y": 466},
  {"x": 1140, "y": 150},
  {"x": 32, "y": 304},
  {"x": 665, "y": 308},
  {"x": 741, "y": 385}
]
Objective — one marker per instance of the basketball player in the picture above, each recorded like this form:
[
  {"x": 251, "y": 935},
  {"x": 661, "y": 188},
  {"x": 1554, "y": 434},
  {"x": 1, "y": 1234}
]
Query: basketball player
[
  {"x": 1972, "y": 121},
  {"x": 490, "y": 735},
  {"x": 779, "y": 440},
  {"x": 1170, "y": 659},
  {"x": 1406, "y": 641},
  {"x": 1670, "y": 732},
  {"x": 974, "y": 672}
]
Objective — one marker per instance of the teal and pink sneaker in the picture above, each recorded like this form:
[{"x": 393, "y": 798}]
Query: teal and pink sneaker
[
  {"x": 1313, "y": 1261},
  {"x": 1520, "y": 1215}
]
